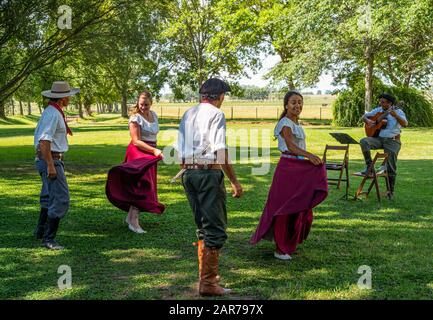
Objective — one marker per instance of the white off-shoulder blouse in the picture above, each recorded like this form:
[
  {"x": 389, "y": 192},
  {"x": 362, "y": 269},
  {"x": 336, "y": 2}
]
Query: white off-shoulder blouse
[
  {"x": 149, "y": 130},
  {"x": 297, "y": 131}
]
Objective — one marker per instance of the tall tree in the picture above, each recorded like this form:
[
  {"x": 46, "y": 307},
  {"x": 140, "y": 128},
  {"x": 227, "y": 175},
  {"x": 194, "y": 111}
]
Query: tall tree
[
  {"x": 31, "y": 39},
  {"x": 202, "y": 44},
  {"x": 132, "y": 58}
]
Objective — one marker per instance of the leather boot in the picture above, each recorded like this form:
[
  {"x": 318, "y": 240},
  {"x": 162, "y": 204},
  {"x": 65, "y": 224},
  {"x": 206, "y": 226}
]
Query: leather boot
[
  {"x": 208, "y": 279},
  {"x": 50, "y": 233},
  {"x": 200, "y": 250},
  {"x": 40, "y": 228}
]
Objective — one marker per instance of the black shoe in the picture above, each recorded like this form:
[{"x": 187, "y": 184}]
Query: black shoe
[
  {"x": 50, "y": 234},
  {"x": 52, "y": 245},
  {"x": 40, "y": 228}
]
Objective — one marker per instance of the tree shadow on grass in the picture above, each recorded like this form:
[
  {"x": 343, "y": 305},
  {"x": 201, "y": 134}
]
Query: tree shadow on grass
[
  {"x": 18, "y": 120},
  {"x": 110, "y": 262}
]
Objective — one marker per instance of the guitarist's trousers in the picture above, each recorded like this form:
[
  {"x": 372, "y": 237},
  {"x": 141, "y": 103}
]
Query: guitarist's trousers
[{"x": 390, "y": 146}]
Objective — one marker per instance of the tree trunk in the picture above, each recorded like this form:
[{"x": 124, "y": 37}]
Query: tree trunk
[
  {"x": 88, "y": 109},
  {"x": 80, "y": 109},
  {"x": 13, "y": 107},
  {"x": 116, "y": 107},
  {"x": 291, "y": 84},
  {"x": 2, "y": 110},
  {"x": 21, "y": 108},
  {"x": 369, "y": 59},
  {"x": 124, "y": 105},
  {"x": 407, "y": 80},
  {"x": 29, "y": 107},
  {"x": 40, "y": 108}
]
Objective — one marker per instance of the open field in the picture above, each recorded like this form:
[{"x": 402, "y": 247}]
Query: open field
[{"x": 315, "y": 107}]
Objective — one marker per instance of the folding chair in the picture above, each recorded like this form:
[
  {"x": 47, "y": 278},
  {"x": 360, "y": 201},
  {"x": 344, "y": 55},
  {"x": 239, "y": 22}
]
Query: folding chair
[
  {"x": 372, "y": 175},
  {"x": 342, "y": 167}
]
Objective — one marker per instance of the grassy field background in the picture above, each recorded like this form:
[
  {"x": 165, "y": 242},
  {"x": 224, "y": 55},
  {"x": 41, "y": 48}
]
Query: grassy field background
[
  {"x": 110, "y": 262},
  {"x": 315, "y": 107}
]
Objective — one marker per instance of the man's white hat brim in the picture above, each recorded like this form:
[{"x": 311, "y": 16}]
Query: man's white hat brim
[{"x": 50, "y": 94}]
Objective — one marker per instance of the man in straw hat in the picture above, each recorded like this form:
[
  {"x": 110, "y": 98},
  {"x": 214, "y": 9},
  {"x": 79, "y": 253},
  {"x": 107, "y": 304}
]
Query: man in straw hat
[
  {"x": 51, "y": 143},
  {"x": 203, "y": 151}
]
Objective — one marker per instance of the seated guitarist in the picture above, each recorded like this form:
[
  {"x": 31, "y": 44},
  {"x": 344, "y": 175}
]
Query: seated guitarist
[{"x": 388, "y": 138}]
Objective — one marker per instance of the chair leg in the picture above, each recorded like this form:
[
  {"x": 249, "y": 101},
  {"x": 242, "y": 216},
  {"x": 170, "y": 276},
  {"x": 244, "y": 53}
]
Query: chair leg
[
  {"x": 388, "y": 187},
  {"x": 339, "y": 178},
  {"x": 347, "y": 177},
  {"x": 370, "y": 187},
  {"x": 361, "y": 186},
  {"x": 377, "y": 188}
]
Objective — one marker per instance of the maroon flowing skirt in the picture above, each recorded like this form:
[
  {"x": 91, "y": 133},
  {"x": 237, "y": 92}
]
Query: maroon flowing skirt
[
  {"x": 133, "y": 183},
  {"x": 297, "y": 187}
]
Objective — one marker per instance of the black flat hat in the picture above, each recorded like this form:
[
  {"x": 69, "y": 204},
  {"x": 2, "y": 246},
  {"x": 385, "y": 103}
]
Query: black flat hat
[
  {"x": 388, "y": 97},
  {"x": 214, "y": 86}
]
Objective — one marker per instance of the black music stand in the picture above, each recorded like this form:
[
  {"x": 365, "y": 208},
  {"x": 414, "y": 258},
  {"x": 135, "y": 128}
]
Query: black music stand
[{"x": 344, "y": 138}]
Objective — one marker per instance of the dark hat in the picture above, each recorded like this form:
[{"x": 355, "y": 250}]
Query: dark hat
[
  {"x": 388, "y": 97},
  {"x": 214, "y": 86}
]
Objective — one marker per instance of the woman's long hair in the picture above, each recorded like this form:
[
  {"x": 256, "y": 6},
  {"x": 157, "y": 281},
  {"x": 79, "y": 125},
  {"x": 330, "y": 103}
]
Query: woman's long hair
[
  {"x": 136, "y": 108},
  {"x": 286, "y": 101}
]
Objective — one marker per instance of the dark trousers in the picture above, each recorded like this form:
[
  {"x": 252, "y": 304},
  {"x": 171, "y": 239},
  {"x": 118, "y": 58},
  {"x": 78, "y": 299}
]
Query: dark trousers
[
  {"x": 390, "y": 146},
  {"x": 54, "y": 193},
  {"x": 207, "y": 197}
]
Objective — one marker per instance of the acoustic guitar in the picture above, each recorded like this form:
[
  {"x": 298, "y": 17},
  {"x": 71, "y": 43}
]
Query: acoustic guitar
[{"x": 380, "y": 122}]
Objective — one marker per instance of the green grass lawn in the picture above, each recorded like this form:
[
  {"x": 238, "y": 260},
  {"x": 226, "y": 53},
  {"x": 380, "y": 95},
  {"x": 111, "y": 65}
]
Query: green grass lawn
[{"x": 109, "y": 262}]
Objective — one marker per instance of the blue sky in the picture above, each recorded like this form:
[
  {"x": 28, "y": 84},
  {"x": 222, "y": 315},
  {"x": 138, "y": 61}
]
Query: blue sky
[{"x": 268, "y": 62}]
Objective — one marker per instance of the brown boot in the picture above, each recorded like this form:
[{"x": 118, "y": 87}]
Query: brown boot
[
  {"x": 208, "y": 279},
  {"x": 200, "y": 250}
]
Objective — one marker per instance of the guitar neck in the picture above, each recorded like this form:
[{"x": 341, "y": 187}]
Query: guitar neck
[{"x": 385, "y": 114}]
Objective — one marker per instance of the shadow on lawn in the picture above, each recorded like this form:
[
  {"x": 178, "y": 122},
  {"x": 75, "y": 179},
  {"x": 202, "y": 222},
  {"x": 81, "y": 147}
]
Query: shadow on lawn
[
  {"x": 110, "y": 262},
  {"x": 18, "y": 120}
]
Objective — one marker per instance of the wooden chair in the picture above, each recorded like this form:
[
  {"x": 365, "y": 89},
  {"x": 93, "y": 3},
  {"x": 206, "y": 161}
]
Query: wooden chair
[
  {"x": 373, "y": 176},
  {"x": 341, "y": 166}
]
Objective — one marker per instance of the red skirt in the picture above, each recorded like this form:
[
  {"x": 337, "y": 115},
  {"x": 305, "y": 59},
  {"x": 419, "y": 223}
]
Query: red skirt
[
  {"x": 134, "y": 183},
  {"x": 297, "y": 187}
]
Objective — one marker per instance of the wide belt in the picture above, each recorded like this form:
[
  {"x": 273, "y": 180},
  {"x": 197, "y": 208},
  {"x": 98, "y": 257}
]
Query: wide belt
[
  {"x": 54, "y": 154},
  {"x": 397, "y": 137},
  {"x": 210, "y": 166}
]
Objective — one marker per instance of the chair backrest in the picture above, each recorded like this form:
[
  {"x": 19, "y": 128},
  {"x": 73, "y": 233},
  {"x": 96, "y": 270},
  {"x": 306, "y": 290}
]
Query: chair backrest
[{"x": 344, "y": 148}]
